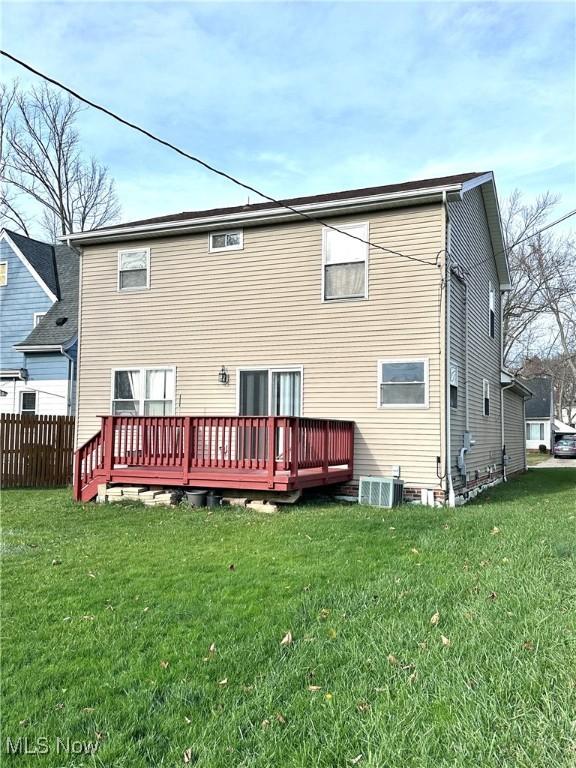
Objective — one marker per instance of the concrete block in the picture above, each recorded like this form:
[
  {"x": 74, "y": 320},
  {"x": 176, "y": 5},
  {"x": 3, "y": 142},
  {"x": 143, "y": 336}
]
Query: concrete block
[
  {"x": 262, "y": 506},
  {"x": 234, "y": 502}
]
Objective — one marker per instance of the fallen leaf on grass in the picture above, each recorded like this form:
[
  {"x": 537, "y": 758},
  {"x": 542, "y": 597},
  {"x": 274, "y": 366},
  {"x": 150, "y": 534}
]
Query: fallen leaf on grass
[
  {"x": 287, "y": 639},
  {"x": 363, "y": 706},
  {"x": 87, "y": 709},
  {"x": 164, "y": 664},
  {"x": 264, "y": 724},
  {"x": 414, "y": 551},
  {"x": 423, "y": 645},
  {"x": 332, "y": 633},
  {"x": 528, "y": 645},
  {"x": 88, "y": 618},
  {"x": 392, "y": 659},
  {"x": 280, "y": 718},
  {"x": 356, "y": 760},
  {"x": 231, "y": 567},
  {"x": 24, "y": 723},
  {"x": 314, "y": 688},
  {"x": 188, "y": 720},
  {"x": 412, "y": 679},
  {"x": 92, "y": 575},
  {"x": 56, "y": 562},
  {"x": 324, "y": 613},
  {"x": 188, "y": 756},
  {"x": 495, "y": 531},
  {"x": 223, "y": 682},
  {"x": 212, "y": 649},
  {"x": 445, "y": 641},
  {"x": 328, "y": 696},
  {"x": 492, "y": 596},
  {"x": 435, "y": 619}
]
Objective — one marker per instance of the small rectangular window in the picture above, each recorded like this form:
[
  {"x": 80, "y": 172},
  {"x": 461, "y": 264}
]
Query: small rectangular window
[
  {"x": 227, "y": 241},
  {"x": 491, "y": 310},
  {"x": 143, "y": 392},
  {"x": 37, "y": 317},
  {"x": 345, "y": 262},
  {"x": 28, "y": 403},
  {"x": 403, "y": 383},
  {"x": 535, "y": 431},
  {"x": 486, "y": 397},
  {"x": 453, "y": 385},
  {"x": 3, "y": 273},
  {"x": 133, "y": 269}
]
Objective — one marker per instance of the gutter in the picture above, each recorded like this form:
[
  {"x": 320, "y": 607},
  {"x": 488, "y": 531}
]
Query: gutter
[
  {"x": 434, "y": 194},
  {"x": 62, "y": 348},
  {"x": 447, "y": 352}
]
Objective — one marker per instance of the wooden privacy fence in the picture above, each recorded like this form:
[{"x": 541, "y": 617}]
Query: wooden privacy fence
[{"x": 36, "y": 451}]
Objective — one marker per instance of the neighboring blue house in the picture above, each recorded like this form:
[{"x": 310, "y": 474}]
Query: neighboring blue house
[{"x": 38, "y": 326}]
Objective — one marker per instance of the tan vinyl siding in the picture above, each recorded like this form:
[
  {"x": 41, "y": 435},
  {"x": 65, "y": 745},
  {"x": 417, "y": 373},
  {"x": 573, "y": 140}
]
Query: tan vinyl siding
[
  {"x": 471, "y": 248},
  {"x": 263, "y": 306},
  {"x": 514, "y": 431}
]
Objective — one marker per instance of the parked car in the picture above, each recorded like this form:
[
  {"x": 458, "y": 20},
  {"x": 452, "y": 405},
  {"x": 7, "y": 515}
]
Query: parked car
[{"x": 565, "y": 448}]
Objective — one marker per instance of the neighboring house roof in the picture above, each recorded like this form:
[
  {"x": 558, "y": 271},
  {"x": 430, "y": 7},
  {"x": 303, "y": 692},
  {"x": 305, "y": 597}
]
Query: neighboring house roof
[
  {"x": 563, "y": 429},
  {"x": 39, "y": 256},
  {"x": 59, "y": 326},
  {"x": 540, "y": 406}
]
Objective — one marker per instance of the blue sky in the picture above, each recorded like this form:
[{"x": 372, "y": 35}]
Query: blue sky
[{"x": 303, "y": 98}]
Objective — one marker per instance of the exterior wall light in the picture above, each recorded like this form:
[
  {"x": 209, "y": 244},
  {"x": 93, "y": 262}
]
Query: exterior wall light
[{"x": 223, "y": 376}]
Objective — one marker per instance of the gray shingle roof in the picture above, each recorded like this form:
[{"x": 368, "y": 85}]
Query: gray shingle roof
[
  {"x": 41, "y": 258},
  {"x": 540, "y": 406},
  {"x": 51, "y": 330}
]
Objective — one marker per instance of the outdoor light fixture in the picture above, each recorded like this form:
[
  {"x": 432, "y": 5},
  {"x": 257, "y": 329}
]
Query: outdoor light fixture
[
  {"x": 223, "y": 376},
  {"x": 3, "y": 393}
]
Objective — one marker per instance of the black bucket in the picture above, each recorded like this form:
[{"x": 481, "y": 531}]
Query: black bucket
[
  {"x": 196, "y": 498},
  {"x": 213, "y": 500}
]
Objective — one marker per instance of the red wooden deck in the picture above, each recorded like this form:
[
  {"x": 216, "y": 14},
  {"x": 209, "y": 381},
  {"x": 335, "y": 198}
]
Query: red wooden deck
[{"x": 245, "y": 452}]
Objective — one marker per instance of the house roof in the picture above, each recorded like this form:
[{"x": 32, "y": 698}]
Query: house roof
[
  {"x": 40, "y": 257},
  {"x": 540, "y": 406},
  {"x": 563, "y": 429},
  {"x": 327, "y": 197},
  {"x": 314, "y": 206},
  {"x": 59, "y": 326}
]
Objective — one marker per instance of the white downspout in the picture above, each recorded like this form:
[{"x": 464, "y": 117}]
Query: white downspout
[
  {"x": 447, "y": 352},
  {"x": 503, "y": 435},
  {"x": 502, "y": 425}
]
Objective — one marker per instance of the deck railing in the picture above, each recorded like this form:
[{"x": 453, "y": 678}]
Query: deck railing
[{"x": 220, "y": 446}]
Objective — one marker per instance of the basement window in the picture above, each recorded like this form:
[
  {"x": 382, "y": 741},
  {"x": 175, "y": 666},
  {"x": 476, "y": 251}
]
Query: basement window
[{"x": 226, "y": 241}]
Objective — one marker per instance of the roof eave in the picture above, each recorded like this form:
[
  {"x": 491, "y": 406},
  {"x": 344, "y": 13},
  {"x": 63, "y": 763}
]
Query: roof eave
[{"x": 330, "y": 208}]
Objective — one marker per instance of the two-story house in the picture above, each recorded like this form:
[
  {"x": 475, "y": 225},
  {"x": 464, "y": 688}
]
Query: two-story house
[
  {"x": 380, "y": 306},
  {"x": 38, "y": 326}
]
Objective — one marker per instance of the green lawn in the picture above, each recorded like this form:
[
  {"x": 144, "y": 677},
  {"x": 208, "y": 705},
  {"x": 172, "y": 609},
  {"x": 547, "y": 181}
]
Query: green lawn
[
  {"x": 109, "y": 613},
  {"x": 535, "y": 457}
]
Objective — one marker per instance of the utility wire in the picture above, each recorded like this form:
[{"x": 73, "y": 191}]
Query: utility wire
[{"x": 206, "y": 165}]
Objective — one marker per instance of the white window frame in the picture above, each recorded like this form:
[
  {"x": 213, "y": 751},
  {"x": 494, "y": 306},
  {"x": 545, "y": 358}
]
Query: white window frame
[
  {"x": 141, "y": 394},
  {"x": 486, "y": 396},
  {"x": 365, "y": 225},
  {"x": 4, "y": 264},
  {"x": 29, "y": 392},
  {"x": 271, "y": 369},
  {"x": 454, "y": 367},
  {"x": 239, "y": 247},
  {"x": 136, "y": 288},
  {"x": 405, "y": 406},
  {"x": 37, "y": 317},
  {"x": 491, "y": 309},
  {"x": 541, "y": 430}
]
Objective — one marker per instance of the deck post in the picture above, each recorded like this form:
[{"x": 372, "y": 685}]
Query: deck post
[
  {"x": 325, "y": 445},
  {"x": 294, "y": 447},
  {"x": 186, "y": 451},
  {"x": 271, "y": 459},
  {"x": 108, "y": 434}
]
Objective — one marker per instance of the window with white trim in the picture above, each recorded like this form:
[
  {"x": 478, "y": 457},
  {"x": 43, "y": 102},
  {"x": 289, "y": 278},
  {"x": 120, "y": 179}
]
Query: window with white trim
[
  {"x": 270, "y": 391},
  {"x": 485, "y": 397},
  {"x": 227, "y": 241},
  {"x": 403, "y": 383},
  {"x": 37, "y": 317},
  {"x": 491, "y": 310},
  {"x": 134, "y": 269},
  {"x": 3, "y": 273},
  {"x": 345, "y": 262},
  {"x": 535, "y": 430},
  {"x": 143, "y": 391},
  {"x": 28, "y": 403},
  {"x": 453, "y": 385}
]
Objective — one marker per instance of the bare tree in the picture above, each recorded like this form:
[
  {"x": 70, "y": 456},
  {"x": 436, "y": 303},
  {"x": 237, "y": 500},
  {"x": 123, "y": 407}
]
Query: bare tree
[
  {"x": 44, "y": 165},
  {"x": 9, "y": 204}
]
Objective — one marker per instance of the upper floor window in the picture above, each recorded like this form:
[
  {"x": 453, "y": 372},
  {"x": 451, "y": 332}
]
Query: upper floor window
[
  {"x": 28, "y": 403},
  {"x": 491, "y": 310},
  {"x": 37, "y": 317},
  {"x": 453, "y": 385},
  {"x": 143, "y": 391},
  {"x": 134, "y": 269},
  {"x": 345, "y": 263},
  {"x": 3, "y": 273},
  {"x": 227, "y": 241},
  {"x": 403, "y": 383},
  {"x": 486, "y": 397}
]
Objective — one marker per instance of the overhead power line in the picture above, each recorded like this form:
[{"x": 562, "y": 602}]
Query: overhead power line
[{"x": 206, "y": 165}]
